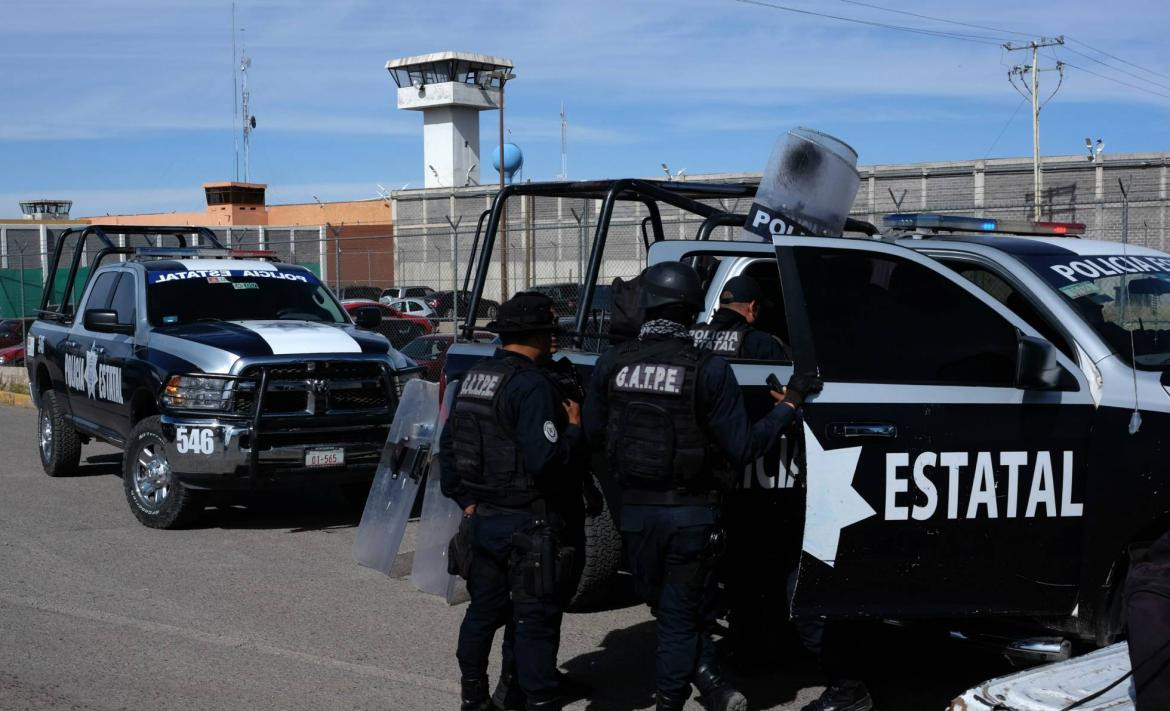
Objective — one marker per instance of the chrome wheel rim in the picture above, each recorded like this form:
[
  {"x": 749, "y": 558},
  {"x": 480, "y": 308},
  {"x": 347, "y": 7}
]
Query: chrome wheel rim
[
  {"x": 46, "y": 435},
  {"x": 152, "y": 476}
]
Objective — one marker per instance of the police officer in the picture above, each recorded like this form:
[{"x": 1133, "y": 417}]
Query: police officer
[
  {"x": 502, "y": 459},
  {"x": 731, "y": 332},
  {"x": 668, "y": 412}
]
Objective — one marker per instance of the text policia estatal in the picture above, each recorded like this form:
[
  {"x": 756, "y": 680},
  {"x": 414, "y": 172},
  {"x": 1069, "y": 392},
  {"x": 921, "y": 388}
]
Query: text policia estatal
[
  {"x": 1028, "y": 477},
  {"x": 1096, "y": 267}
]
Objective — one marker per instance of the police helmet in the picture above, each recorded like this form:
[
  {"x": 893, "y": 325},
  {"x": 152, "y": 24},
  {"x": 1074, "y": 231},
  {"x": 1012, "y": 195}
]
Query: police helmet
[
  {"x": 671, "y": 283},
  {"x": 525, "y": 312}
]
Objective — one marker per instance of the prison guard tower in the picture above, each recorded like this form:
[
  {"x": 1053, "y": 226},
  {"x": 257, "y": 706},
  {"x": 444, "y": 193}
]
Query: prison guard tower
[{"x": 450, "y": 88}]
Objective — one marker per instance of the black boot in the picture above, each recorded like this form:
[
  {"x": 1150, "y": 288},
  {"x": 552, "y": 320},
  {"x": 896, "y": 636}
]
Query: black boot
[
  {"x": 474, "y": 691},
  {"x": 717, "y": 694},
  {"x": 508, "y": 695},
  {"x": 843, "y": 695},
  {"x": 555, "y": 703},
  {"x": 671, "y": 700},
  {"x": 572, "y": 689}
]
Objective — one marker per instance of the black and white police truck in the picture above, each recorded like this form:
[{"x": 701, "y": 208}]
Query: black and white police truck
[
  {"x": 992, "y": 439},
  {"x": 211, "y": 368}
]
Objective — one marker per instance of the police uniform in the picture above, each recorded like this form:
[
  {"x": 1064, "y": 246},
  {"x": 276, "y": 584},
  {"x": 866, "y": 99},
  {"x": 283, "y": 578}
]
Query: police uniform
[
  {"x": 672, "y": 417},
  {"x": 504, "y": 450},
  {"x": 730, "y": 335}
]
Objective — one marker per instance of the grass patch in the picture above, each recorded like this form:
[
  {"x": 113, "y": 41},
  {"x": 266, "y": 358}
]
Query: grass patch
[{"x": 14, "y": 387}]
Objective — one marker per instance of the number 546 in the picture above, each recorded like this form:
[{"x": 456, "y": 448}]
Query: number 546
[{"x": 194, "y": 440}]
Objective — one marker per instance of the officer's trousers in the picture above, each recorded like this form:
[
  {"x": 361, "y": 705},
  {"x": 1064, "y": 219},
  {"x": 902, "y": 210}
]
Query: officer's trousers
[
  {"x": 667, "y": 548},
  {"x": 532, "y": 632}
]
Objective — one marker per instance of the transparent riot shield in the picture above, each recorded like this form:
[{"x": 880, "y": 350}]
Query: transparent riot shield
[
  {"x": 437, "y": 525},
  {"x": 404, "y": 462}
]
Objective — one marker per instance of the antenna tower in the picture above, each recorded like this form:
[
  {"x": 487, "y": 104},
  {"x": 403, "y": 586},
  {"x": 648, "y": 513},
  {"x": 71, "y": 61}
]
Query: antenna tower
[
  {"x": 235, "y": 94},
  {"x": 564, "y": 144},
  {"x": 249, "y": 119}
]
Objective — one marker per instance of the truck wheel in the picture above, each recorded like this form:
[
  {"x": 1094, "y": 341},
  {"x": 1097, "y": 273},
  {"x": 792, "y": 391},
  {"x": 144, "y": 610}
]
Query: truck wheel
[
  {"x": 57, "y": 441},
  {"x": 603, "y": 558},
  {"x": 156, "y": 497}
]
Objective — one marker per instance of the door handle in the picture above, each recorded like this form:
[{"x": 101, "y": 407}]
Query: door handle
[{"x": 863, "y": 429}]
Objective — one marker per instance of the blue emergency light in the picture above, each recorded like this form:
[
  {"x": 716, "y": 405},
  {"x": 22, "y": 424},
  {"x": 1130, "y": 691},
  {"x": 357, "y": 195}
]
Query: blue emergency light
[{"x": 933, "y": 222}]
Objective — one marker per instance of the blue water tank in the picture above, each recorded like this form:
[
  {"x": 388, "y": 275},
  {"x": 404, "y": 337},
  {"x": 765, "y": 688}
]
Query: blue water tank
[{"x": 513, "y": 160}]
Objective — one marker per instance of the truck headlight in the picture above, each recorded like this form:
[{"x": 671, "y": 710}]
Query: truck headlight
[{"x": 199, "y": 392}]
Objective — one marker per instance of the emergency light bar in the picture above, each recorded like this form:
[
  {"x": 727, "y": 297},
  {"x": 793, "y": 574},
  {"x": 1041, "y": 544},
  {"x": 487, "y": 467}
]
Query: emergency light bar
[
  {"x": 913, "y": 221},
  {"x": 203, "y": 253}
]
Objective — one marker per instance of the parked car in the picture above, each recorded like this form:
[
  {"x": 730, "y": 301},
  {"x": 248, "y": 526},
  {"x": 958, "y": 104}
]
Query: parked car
[
  {"x": 416, "y": 307},
  {"x": 397, "y": 327},
  {"x": 430, "y": 352},
  {"x": 12, "y": 355},
  {"x": 594, "y": 337},
  {"x": 443, "y": 301},
  {"x": 396, "y": 293},
  {"x": 13, "y": 330},
  {"x": 564, "y": 296},
  {"x": 357, "y": 291}
]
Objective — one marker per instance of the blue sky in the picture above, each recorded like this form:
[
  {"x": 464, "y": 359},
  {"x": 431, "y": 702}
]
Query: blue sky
[{"x": 127, "y": 106}]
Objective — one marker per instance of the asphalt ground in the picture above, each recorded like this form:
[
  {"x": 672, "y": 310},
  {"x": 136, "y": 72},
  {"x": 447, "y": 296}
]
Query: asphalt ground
[{"x": 261, "y": 606}]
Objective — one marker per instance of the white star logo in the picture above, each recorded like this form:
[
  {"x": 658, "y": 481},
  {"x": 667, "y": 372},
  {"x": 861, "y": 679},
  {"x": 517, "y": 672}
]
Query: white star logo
[{"x": 831, "y": 502}]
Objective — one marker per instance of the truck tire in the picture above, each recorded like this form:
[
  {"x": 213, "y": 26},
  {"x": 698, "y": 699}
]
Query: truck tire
[
  {"x": 603, "y": 558},
  {"x": 57, "y": 441},
  {"x": 156, "y": 496}
]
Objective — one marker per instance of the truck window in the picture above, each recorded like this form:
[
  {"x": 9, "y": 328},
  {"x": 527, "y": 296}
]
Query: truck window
[
  {"x": 103, "y": 289},
  {"x": 1019, "y": 304},
  {"x": 123, "y": 301},
  {"x": 884, "y": 319},
  {"x": 239, "y": 295}
]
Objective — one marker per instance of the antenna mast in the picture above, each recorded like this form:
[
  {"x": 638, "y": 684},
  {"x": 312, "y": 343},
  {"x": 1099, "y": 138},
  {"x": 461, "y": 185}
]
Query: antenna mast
[
  {"x": 235, "y": 94},
  {"x": 249, "y": 120},
  {"x": 564, "y": 144}
]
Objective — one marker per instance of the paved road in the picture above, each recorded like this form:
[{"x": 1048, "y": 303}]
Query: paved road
[{"x": 262, "y": 607}]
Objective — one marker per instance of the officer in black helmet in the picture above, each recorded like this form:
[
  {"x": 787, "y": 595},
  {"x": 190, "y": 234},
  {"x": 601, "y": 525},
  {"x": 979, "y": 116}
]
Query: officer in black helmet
[
  {"x": 732, "y": 333},
  {"x": 503, "y": 459},
  {"x": 672, "y": 417}
]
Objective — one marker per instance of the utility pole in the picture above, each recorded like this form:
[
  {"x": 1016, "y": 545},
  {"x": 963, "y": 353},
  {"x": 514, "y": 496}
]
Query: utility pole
[{"x": 1033, "y": 91}]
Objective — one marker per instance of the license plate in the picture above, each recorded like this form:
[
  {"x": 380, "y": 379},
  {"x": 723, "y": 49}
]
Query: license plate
[{"x": 325, "y": 457}]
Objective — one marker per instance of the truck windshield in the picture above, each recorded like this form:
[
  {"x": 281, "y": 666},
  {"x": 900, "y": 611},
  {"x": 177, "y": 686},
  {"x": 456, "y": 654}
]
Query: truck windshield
[
  {"x": 1125, "y": 298},
  {"x": 176, "y": 297}
]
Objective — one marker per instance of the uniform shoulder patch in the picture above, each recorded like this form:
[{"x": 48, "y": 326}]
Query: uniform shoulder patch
[{"x": 550, "y": 431}]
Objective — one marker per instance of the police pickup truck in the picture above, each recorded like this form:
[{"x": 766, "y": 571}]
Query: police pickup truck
[
  {"x": 993, "y": 433},
  {"x": 211, "y": 368}
]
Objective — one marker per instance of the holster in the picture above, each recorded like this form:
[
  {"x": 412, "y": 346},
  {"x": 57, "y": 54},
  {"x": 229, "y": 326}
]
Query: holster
[
  {"x": 545, "y": 567},
  {"x": 459, "y": 552}
]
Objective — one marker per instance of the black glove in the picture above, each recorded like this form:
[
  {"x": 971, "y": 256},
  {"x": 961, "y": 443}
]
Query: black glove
[
  {"x": 800, "y": 386},
  {"x": 594, "y": 501}
]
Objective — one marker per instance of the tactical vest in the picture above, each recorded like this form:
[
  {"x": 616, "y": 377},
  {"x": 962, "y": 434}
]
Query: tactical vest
[
  {"x": 654, "y": 440},
  {"x": 486, "y": 456},
  {"x": 726, "y": 342}
]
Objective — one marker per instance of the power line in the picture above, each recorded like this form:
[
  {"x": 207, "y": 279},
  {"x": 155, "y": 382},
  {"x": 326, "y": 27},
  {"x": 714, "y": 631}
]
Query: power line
[
  {"x": 937, "y": 19},
  {"x": 1117, "y": 81},
  {"x": 1123, "y": 61},
  {"x": 1117, "y": 69},
  {"x": 978, "y": 39},
  {"x": 1005, "y": 127}
]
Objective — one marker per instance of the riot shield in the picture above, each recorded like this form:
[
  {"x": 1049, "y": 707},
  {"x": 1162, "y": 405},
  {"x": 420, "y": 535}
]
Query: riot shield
[
  {"x": 437, "y": 525},
  {"x": 404, "y": 461}
]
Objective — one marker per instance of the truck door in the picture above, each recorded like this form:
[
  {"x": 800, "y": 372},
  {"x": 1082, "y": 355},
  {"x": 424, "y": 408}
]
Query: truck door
[
  {"x": 934, "y": 486},
  {"x": 82, "y": 353},
  {"x": 114, "y": 351}
]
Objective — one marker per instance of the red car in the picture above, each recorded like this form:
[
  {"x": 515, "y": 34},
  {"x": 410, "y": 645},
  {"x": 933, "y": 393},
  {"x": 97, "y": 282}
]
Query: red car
[
  {"x": 431, "y": 351},
  {"x": 12, "y": 355},
  {"x": 397, "y": 327}
]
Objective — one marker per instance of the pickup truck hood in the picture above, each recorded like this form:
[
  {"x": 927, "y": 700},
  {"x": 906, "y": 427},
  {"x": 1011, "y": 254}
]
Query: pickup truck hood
[{"x": 215, "y": 346}]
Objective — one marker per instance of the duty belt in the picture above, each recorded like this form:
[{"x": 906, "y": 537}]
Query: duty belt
[{"x": 668, "y": 498}]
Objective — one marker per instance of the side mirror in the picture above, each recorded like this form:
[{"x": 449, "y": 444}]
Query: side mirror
[
  {"x": 367, "y": 317},
  {"x": 1036, "y": 366},
  {"x": 106, "y": 321}
]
